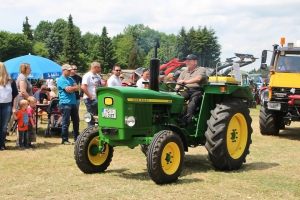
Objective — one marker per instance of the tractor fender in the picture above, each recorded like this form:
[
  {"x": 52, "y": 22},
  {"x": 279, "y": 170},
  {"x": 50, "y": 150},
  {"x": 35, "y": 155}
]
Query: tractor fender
[{"x": 178, "y": 131}]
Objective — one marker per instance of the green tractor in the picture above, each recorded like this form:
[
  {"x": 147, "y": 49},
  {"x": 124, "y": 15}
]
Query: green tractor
[{"x": 131, "y": 117}]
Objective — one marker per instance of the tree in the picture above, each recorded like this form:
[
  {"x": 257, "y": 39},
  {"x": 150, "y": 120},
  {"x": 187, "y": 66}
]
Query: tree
[
  {"x": 54, "y": 42},
  {"x": 42, "y": 31},
  {"x": 182, "y": 44},
  {"x": 133, "y": 59},
  {"x": 71, "y": 44},
  {"x": 104, "y": 52},
  {"x": 123, "y": 48},
  {"x": 13, "y": 45},
  {"x": 27, "y": 29},
  {"x": 39, "y": 49}
]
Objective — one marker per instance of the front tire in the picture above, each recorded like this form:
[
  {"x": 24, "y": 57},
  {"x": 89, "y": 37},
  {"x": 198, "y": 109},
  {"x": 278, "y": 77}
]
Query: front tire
[
  {"x": 88, "y": 158},
  {"x": 165, "y": 157},
  {"x": 228, "y": 135},
  {"x": 267, "y": 122}
]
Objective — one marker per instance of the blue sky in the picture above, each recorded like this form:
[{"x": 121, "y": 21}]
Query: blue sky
[{"x": 241, "y": 26}]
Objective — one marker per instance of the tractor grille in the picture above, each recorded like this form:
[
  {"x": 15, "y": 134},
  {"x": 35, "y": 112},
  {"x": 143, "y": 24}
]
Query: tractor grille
[
  {"x": 284, "y": 92},
  {"x": 143, "y": 113}
]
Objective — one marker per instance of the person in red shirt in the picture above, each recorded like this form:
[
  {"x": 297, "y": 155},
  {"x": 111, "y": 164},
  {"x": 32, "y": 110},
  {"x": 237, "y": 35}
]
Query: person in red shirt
[
  {"x": 22, "y": 117},
  {"x": 32, "y": 122}
]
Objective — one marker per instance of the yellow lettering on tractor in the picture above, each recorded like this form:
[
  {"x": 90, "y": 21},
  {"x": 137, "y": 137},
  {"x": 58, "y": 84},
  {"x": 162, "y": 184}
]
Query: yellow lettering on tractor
[{"x": 149, "y": 100}]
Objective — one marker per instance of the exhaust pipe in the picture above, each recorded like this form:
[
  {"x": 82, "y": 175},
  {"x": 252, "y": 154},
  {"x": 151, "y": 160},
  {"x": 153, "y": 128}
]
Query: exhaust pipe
[{"x": 154, "y": 70}]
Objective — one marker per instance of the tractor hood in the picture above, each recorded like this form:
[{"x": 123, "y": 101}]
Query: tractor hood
[
  {"x": 138, "y": 95},
  {"x": 286, "y": 80}
]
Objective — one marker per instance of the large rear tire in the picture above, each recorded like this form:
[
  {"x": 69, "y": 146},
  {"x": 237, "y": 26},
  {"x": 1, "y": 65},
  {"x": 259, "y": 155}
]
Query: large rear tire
[
  {"x": 88, "y": 158},
  {"x": 267, "y": 122},
  {"x": 228, "y": 136},
  {"x": 165, "y": 157}
]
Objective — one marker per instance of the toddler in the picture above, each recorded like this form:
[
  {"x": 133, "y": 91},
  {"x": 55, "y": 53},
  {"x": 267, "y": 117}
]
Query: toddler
[
  {"x": 22, "y": 117},
  {"x": 32, "y": 121}
]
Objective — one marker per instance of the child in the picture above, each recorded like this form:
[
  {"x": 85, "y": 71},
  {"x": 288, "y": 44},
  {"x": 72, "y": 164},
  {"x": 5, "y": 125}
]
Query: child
[
  {"x": 22, "y": 118},
  {"x": 53, "y": 92},
  {"x": 32, "y": 121},
  {"x": 56, "y": 113}
]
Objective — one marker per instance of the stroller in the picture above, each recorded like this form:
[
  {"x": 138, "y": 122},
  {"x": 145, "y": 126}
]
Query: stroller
[{"x": 53, "y": 113}]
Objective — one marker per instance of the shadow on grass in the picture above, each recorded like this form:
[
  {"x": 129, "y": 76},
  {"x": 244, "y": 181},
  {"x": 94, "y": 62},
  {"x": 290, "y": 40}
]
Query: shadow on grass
[
  {"x": 258, "y": 166},
  {"x": 291, "y": 133}
]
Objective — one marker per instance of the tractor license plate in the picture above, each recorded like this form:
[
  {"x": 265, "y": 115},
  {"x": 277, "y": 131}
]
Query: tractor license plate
[
  {"x": 274, "y": 106},
  {"x": 109, "y": 113}
]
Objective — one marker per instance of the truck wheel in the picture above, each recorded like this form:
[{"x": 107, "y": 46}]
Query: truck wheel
[
  {"x": 228, "y": 135},
  {"x": 267, "y": 122},
  {"x": 165, "y": 157},
  {"x": 87, "y": 156}
]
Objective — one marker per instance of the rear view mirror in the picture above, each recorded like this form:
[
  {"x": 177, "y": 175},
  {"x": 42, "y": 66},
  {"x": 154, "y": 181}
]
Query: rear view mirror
[
  {"x": 264, "y": 56},
  {"x": 263, "y": 66}
]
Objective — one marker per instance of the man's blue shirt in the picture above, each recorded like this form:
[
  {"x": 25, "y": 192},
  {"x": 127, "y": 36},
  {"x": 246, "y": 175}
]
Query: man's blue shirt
[{"x": 64, "y": 96}]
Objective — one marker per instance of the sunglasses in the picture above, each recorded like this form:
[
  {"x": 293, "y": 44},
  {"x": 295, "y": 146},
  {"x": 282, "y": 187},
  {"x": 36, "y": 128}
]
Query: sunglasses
[
  {"x": 74, "y": 69},
  {"x": 117, "y": 70},
  {"x": 122, "y": 77}
]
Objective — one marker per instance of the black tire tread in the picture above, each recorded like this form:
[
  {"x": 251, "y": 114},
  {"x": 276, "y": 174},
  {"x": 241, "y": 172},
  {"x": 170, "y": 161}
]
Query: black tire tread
[{"x": 216, "y": 134}]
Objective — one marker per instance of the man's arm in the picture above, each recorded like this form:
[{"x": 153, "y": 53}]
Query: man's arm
[{"x": 85, "y": 90}]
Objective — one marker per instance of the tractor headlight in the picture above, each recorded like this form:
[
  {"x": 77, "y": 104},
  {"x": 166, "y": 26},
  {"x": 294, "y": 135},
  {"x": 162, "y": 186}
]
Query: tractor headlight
[
  {"x": 130, "y": 121},
  {"x": 87, "y": 117}
]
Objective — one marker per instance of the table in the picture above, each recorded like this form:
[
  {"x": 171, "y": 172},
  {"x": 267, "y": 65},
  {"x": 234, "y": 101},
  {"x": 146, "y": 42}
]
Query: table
[{"x": 42, "y": 107}]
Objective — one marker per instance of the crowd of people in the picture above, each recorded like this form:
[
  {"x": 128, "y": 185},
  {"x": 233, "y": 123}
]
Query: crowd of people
[{"x": 17, "y": 101}]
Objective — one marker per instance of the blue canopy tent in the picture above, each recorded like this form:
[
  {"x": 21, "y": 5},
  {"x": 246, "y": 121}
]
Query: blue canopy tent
[{"x": 40, "y": 67}]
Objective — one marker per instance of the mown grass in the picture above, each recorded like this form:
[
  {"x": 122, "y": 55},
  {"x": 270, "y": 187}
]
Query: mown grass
[{"x": 49, "y": 172}]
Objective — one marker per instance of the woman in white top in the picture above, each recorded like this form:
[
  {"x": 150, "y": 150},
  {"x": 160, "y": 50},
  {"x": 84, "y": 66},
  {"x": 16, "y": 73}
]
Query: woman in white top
[
  {"x": 144, "y": 78},
  {"x": 8, "y": 101}
]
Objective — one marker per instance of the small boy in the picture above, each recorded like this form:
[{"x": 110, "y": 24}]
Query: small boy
[
  {"x": 32, "y": 121},
  {"x": 22, "y": 118},
  {"x": 57, "y": 114}
]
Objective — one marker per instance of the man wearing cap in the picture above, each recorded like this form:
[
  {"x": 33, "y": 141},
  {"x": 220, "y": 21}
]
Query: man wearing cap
[
  {"x": 67, "y": 103},
  {"x": 41, "y": 94},
  {"x": 194, "y": 77}
]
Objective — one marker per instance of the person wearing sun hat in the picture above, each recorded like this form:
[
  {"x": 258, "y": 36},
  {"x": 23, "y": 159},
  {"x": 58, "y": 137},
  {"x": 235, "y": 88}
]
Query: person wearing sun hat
[
  {"x": 194, "y": 77},
  {"x": 67, "y": 103}
]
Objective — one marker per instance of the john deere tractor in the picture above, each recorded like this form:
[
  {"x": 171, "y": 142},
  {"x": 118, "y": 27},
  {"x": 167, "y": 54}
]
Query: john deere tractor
[
  {"x": 148, "y": 118},
  {"x": 280, "y": 102}
]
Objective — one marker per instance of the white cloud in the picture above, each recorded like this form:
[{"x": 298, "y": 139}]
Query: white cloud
[{"x": 241, "y": 26}]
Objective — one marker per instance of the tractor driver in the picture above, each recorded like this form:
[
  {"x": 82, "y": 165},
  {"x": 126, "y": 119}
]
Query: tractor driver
[{"x": 194, "y": 77}]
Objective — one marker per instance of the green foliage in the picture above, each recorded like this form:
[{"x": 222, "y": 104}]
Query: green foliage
[
  {"x": 71, "y": 44},
  {"x": 27, "y": 29},
  {"x": 123, "y": 48},
  {"x": 54, "y": 42},
  {"x": 39, "y": 49},
  {"x": 133, "y": 59},
  {"x": 103, "y": 51},
  {"x": 42, "y": 31},
  {"x": 13, "y": 45}
]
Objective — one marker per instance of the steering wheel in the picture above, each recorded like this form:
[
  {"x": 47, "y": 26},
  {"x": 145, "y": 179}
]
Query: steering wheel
[{"x": 177, "y": 90}]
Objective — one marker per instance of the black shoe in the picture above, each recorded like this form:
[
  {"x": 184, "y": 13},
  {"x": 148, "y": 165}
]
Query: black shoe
[
  {"x": 3, "y": 148},
  {"x": 31, "y": 146},
  {"x": 22, "y": 148},
  {"x": 185, "y": 119}
]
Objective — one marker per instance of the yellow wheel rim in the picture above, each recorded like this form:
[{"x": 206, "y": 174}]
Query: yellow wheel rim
[
  {"x": 237, "y": 136},
  {"x": 170, "y": 158},
  {"x": 94, "y": 156}
]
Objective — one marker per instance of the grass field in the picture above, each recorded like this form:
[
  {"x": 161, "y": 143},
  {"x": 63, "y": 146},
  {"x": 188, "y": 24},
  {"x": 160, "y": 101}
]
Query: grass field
[{"x": 49, "y": 172}]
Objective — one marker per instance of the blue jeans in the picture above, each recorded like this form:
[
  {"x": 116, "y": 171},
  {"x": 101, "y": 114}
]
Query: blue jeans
[
  {"x": 91, "y": 107},
  {"x": 69, "y": 110},
  {"x": 23, "y": 136},
  {"x": 5, "y": 114}
]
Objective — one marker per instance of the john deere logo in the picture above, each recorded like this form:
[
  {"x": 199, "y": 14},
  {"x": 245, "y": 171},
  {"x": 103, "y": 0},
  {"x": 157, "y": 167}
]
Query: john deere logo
[{"x": 234, "y": 135}]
